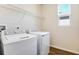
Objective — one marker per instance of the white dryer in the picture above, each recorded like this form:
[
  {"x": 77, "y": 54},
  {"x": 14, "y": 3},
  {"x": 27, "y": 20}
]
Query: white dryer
[{"x": 43, "y": 42}]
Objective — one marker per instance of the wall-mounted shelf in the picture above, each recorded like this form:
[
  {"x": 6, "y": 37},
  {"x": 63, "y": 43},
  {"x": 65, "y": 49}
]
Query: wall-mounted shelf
[{"x": 12, "y": 7}]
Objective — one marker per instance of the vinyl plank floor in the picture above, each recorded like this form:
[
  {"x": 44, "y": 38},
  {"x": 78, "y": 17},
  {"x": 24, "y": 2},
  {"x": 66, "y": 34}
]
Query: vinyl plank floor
[{"x": 55, "y": 51}]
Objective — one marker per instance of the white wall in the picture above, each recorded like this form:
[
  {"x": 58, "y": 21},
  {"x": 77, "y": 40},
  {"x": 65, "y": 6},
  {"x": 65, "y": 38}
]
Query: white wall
[
  {"x": 33, "y": 21},
  {"x": 66, "y": 37},
  {"x": 13, "y": 18}
]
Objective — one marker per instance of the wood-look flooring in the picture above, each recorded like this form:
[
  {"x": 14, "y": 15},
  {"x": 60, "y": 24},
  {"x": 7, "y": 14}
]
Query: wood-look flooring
[{"x": 55, "y": 51}]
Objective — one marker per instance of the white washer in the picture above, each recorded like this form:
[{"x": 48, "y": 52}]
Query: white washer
[
  {"x": 20, "y": 44},
  {"x": 43, "y": 42}
]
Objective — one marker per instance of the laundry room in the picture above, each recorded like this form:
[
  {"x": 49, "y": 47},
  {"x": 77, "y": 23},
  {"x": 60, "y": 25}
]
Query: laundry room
[{"x": 39, "y": 29}]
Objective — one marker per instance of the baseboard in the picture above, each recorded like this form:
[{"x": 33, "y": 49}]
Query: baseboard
[{"x": 75, "y": 52}]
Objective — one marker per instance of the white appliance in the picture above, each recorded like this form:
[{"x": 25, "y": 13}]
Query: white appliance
[
  {"x": 20, "y": 44},
  {"x": 43, "y": 42}
]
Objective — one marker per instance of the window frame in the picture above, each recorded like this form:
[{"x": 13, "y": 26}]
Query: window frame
[{"x": 65, "y": 22}]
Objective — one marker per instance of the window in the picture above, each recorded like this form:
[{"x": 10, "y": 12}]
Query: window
[{"x": 64, "y": 11}]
